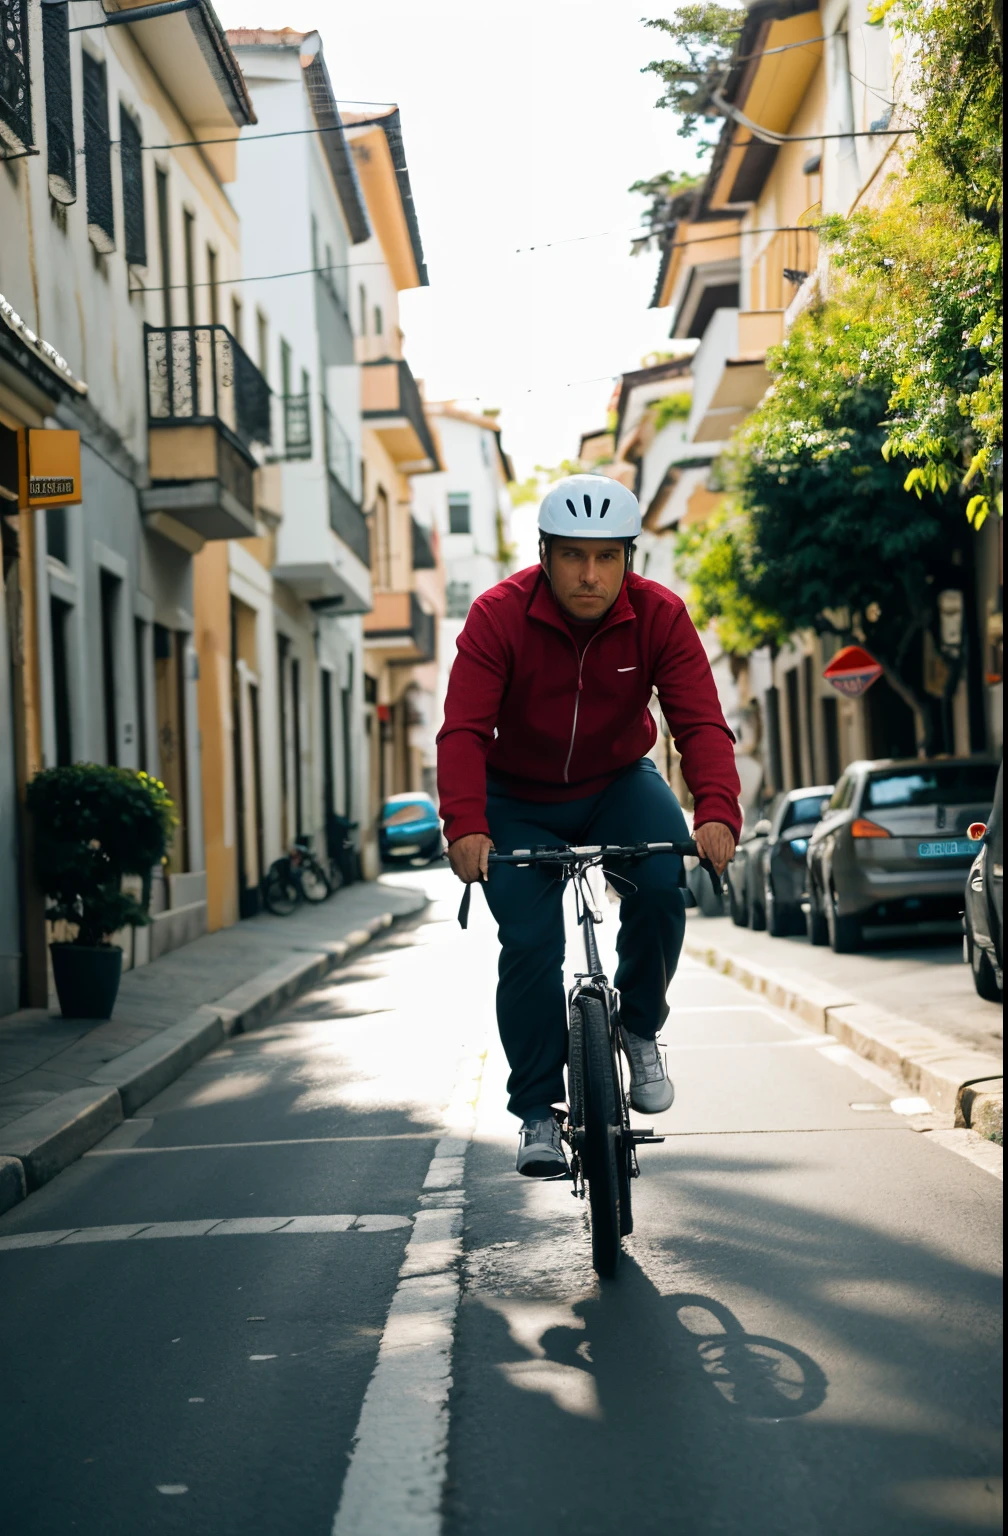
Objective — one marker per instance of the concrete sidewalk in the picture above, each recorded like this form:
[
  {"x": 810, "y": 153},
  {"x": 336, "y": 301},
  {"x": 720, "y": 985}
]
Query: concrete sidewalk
[
  {"x": 911, "y": 1010},
  {"x": 65, "y": 1083}
]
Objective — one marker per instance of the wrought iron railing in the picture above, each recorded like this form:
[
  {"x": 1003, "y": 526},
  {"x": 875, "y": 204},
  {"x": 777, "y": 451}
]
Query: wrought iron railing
[
  {"x": 15, "y": 83},
  {"x": 339, "y": 449},
  {"x": 423, "y": 547},
  {"x": 422, "y": 628},
  {"x": 199, "y": 373},
  {"x": 297, "y": 426},
  {"x": 347, "y": 521}
]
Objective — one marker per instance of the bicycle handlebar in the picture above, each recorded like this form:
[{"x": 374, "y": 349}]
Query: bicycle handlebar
[{"x": 594, "y": 853}]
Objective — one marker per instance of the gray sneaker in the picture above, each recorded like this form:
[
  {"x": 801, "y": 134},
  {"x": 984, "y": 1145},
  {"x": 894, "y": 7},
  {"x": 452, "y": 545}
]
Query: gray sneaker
[
  {"x": 650, "y": 1090},
  {"x": 540, "y": 1150}
]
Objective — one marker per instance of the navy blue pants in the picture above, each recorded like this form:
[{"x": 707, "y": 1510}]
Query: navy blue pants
[{"x": 528, "y": 907}]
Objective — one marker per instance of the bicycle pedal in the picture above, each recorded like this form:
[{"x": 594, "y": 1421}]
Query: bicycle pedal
[{"x": 640, "y": 1137}]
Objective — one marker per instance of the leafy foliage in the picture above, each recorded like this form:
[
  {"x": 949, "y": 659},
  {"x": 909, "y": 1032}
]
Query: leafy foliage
[
  {"x": 668, "y": 195},
  {"x": 715, "y": 558},
  {"x": 536, "y": 485},
  {"x": 93, "y": 825},
  {"x": 832, "y": 541},
  {"x": 703, "y": 37},
  {"x": 671, "y": 408}
]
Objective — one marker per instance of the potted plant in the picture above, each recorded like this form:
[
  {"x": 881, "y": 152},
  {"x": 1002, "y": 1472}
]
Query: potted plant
[{"x": 94, "y": 825}]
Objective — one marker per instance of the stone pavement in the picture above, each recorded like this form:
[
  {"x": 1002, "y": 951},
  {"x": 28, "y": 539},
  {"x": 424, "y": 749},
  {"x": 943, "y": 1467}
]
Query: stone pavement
[{"x": 65, "y": 1081}]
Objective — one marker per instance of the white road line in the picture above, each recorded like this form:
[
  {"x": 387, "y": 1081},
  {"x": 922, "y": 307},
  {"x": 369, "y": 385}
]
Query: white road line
[
  {"x": 399, "y": 1462},
  {"x": 226, "y": 1146},
  {"x": 229, "y": 1226}
]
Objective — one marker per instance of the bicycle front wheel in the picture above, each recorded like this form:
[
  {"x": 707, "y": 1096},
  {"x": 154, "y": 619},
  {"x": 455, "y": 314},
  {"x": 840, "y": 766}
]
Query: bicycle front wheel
[
  {"x": 314, "y": 882},
  {"x": 602, "y": 1131}
]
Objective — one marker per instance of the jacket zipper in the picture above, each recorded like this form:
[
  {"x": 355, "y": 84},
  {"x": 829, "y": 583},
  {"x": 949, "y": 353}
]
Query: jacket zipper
[{"x": 577, "y": 703}]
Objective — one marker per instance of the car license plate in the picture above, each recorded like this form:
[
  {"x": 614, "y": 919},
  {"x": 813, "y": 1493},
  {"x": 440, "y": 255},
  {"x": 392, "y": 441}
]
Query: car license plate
[{"x": 952, "y": 848}]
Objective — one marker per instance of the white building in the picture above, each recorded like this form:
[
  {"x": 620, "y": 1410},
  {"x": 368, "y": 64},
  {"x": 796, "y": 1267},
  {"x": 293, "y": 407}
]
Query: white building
[{"x": 469, "y": 506}]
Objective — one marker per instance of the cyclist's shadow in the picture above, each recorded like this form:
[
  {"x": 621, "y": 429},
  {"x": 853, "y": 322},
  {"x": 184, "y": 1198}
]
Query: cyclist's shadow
[{"x": 753, "y": 1376}]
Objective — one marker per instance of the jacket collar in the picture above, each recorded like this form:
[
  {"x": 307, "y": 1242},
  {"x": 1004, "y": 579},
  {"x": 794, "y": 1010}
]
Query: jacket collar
[{"x": 544, "y": 607}]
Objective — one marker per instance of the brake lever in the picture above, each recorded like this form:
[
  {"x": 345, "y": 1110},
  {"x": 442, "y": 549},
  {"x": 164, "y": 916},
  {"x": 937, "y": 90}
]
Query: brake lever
[{"x": 715, "y": 878}]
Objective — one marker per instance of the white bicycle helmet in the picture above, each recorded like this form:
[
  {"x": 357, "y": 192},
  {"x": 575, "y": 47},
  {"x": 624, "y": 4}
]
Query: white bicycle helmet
[{"x": 590, "y": 507}]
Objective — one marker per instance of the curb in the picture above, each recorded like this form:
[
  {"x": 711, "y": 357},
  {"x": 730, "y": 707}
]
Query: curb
[
  {"x": 938, "y": 1068},
  {"x": 37, "y": 1146}
]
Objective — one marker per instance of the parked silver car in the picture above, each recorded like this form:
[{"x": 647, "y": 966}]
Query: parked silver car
[
  {"x": 892, "y": 846},
  {"x": 983, "y": 917}
]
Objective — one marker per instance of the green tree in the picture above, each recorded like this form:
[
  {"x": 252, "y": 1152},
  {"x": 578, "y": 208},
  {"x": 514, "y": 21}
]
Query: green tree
[
  {"x": 703, "y": 37},
  {"x": 832, "y": 540},
  {"x": 715, "y": 558}
]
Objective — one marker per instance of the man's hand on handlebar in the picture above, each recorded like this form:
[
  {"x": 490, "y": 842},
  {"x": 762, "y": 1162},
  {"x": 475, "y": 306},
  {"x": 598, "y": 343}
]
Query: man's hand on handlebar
[
  {"x": 714, "y": 842},
  {"x": 469, "y": 857}
]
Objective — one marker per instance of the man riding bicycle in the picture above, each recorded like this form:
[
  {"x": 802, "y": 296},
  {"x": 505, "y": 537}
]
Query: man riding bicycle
[{"x": 543, "y": 744}]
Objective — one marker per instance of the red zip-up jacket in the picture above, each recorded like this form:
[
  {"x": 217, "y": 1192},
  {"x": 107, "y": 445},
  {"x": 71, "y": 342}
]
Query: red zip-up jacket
[{"x": 551, "y": 724}]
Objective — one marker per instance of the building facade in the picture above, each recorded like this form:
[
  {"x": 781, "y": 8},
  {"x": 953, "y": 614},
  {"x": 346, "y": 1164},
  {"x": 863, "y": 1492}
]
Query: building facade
[{"x": 118, "y": 245}]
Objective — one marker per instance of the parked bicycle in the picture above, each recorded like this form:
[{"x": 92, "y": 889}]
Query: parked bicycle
[
  {"x": 596, "y": 1128},
  {"x": 296, "y": 876}
]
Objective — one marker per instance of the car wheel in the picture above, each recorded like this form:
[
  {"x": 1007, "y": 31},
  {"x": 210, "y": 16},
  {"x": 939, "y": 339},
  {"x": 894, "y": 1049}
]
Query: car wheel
[
  {"x": 844, "y": 933},
  {"x": 984, "y": 975},
  {"x": 757, "y": 916},
  {"x": 777, "y": 916},
  {"x": 816, "y": 930},
  {"x": 738, "y": 914}
]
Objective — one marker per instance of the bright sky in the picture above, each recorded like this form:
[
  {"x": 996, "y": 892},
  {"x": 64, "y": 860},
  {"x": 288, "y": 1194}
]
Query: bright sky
[{"x": 524, "y": 123}]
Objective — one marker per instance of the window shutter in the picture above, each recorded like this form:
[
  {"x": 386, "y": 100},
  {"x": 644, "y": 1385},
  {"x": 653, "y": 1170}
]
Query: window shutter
[
  {"x": 131, "y": 166},
  {"x": 98, "y": 156},
  {"x": 62, "y": 161},
  {"x": 15, "y": 86}
]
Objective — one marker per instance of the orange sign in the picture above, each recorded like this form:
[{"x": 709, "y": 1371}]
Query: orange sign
[{"x": 49, "y": 468}]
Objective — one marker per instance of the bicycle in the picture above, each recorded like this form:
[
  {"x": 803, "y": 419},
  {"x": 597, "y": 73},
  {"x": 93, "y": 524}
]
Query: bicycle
[
  {"x": 296, "y": 876},
  {"x": 596, "y": 1127}
]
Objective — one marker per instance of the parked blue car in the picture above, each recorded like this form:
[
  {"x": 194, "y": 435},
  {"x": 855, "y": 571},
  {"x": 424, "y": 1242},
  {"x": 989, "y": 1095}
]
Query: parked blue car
[{"x": 409, "y": 828}]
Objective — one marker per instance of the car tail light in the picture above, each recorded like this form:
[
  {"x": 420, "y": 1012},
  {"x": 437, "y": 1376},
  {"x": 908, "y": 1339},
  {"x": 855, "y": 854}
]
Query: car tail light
[
  {"x": 976, "y": 830},
  {"x": 862, "y": 827}
]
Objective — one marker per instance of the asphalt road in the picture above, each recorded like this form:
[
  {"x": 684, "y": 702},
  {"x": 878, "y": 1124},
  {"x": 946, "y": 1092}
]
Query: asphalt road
[{"x": 804, "y": 1337}]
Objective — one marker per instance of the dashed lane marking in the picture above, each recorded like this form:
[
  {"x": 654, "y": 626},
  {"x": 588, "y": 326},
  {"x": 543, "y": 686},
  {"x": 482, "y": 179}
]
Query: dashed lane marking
[
  {"x": 396, "y": 1477},
  {"x": 227, "y": 1226},
  {"x": 289, "y": 1141}
]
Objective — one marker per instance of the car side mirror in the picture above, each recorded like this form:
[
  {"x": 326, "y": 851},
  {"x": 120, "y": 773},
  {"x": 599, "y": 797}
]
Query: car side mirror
[{"x": 762, "y": 828}]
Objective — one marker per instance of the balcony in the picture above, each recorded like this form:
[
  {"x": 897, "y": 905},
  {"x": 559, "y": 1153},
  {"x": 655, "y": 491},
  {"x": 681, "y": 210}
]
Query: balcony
[
  {"x": 729, "y": 370},
  {"x": 207, "y": 404},
  {"x": 392, "y": 407},
  {"x": 323, "y": 544},
  {"x": 401, "y": 629}
]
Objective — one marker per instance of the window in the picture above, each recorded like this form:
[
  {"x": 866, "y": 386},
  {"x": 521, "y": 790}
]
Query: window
[
  {"x": 383, "y": 540},
  {"x": 58, "y": 614},
  {"x": 362, "y": 301},
  {"x": 164, "y": 242},
  {"x": 236, "y": 319},
  {"x": 458, "y": 599},
  {"x": 189, "y": 252},
  {"x": 98, "y": 156},
  {"x": 140, "y": 676},
  {"x": 62, "y": 161},
  {"x": 211, "y": 265},
  {"x": 330, "y": 274},
  {"x": 314, "y": 243},
  {"x": 378, "y": 321},
  {"x": 459, "y": 512},
  {"x": 959, "y": 784},
  {"x": 15, "y": 89},
  {"x": 285, "y": 366},
  {"x": 131, "y": 166},
  {"x": 806, "y": 809},
  {"x": 57, "y": 534},
  {"x": 262, "y": 341},
  {"x": 844, "y": 793},
  {"x": 110, "y": 586}
]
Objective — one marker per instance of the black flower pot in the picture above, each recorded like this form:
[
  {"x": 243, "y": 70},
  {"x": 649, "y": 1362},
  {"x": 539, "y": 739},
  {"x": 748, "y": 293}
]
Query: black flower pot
[{"x": 87, "y": 980}]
